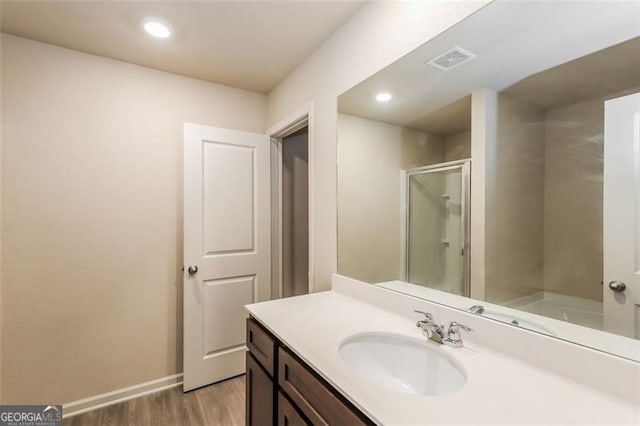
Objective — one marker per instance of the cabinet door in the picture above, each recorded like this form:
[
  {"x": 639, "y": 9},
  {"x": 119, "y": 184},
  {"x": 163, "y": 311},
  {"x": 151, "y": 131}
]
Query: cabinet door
[
  {"x": 288, "y": 415},
  {"x": 260, "y": 394}
]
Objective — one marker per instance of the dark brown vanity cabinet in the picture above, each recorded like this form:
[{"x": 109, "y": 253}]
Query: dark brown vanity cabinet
[{"x": 283, "y": 390}]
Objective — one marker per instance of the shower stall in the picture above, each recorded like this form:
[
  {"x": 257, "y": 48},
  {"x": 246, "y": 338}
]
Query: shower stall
[{"x": 436, "y": 208}]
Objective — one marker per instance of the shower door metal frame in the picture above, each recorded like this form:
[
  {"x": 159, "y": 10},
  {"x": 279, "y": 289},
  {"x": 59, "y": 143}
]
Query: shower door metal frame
[{"x": 465, "y": 213}]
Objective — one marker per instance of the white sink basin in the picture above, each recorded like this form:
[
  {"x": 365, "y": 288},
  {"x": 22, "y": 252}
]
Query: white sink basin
[{"x": 402, "y": 363}]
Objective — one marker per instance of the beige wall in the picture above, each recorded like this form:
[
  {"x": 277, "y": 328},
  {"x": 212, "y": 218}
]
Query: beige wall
[
  {"x": 371, "y": 156},
  {"x": 514, "y": 247},
  {"x": 92, "y": 217},
  {"x": 458, "y": 146},
  {"x": 378, "y": 34},
  {"x": 573, "y": 199}
]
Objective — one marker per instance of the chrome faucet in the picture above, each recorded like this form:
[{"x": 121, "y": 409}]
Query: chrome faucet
[
  {"x": 429, "y": 327},
  {"x": 436, "y": 332}
]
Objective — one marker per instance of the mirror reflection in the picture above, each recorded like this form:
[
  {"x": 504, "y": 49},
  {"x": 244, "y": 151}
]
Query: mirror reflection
[
  {"x": 515, "y": 183},
  {"x": 436, "y": 226}
]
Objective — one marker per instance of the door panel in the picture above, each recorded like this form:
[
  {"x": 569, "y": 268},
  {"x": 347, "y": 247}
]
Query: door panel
[
  {"x": 229, "y": 210},
  {"x": 227, "y": 237},
  {"x": 223, "y": 309},
  {"x": 622, "y": 215}
]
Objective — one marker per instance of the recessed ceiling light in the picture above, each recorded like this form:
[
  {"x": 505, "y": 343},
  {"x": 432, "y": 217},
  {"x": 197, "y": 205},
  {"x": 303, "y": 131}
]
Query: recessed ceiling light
[
  {"x": 157, "y": 29},
  {"x": 383, "y": 97}
]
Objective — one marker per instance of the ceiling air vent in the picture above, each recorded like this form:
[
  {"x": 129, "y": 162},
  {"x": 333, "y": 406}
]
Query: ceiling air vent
[{"x": 451, "y": 58}]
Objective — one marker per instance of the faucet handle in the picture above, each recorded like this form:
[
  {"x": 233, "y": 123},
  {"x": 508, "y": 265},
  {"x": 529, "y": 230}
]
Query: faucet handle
[
  {"x": 453, "y": 333},
  {"x": 426, "y": 314},
  {"x": 453, "y": 326}
]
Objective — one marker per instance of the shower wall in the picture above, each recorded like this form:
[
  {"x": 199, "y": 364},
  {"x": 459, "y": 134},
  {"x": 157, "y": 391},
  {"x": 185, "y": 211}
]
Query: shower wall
[
  {"x": 514, "y": 239},
  {"x": 370, "y": 157},
  {"x": 574, "y": 159},
  {"x": 547, "y": 221},
  {"x": 573, "y": 199}
]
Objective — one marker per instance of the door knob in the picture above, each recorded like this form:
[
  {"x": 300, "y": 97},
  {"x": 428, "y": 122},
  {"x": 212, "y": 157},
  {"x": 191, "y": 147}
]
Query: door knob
[
  {"x": 617, "y": 286},
  {"x": 192, "y": 270}
]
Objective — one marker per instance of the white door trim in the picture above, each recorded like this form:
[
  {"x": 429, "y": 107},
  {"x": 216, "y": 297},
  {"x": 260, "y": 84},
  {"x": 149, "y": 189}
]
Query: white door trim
[{"x": 289, "y": 125}]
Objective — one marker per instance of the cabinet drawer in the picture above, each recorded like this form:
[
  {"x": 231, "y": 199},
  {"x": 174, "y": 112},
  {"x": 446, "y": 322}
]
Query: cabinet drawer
[
  {"x": 261, "y": 345},
  {"x": 310, "y": 394},
  {"x": 288, "y": 415}
]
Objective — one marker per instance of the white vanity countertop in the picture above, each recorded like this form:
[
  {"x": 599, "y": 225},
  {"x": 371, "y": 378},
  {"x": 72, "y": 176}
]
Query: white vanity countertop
[{"x": 499, "y": 389}]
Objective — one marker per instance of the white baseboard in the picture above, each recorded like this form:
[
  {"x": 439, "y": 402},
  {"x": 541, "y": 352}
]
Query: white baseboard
[{"x": 98, "y": 401}]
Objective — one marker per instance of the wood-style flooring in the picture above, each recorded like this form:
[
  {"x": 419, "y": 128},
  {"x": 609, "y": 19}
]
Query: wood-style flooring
[{"x": 222, "y": 403}]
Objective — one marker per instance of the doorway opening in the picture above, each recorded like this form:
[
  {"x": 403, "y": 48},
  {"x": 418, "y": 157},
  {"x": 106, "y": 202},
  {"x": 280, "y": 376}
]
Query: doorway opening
[
  {"x": 295, "y": 214},
  {"x": 291, "y": 183}
]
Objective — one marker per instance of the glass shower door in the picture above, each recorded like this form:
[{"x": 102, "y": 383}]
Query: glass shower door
[{"x": 437, "y": 227}]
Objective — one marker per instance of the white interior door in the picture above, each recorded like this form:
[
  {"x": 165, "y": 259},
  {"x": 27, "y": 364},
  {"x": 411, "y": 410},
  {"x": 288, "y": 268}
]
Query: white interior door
[
  {"x": 226, "y": 247},
  {"x": 622, "y": 216}
]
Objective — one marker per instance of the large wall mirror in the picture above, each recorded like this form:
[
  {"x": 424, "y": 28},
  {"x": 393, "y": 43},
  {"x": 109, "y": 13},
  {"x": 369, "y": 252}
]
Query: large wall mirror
[{"x": 496, "y": 169}]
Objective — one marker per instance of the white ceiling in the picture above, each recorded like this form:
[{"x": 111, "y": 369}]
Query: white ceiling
[
  {"x": 513, "y": 40},
  {"x": 251, "y": 45}
]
